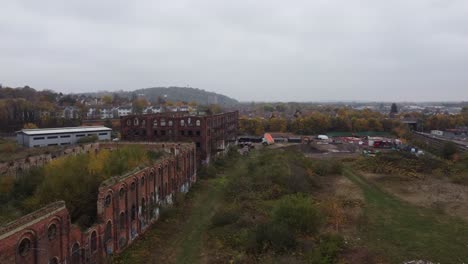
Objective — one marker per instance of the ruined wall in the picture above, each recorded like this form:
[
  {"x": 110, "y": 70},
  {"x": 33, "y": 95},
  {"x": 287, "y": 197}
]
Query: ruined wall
[
  {"x": 16, "y": 167},
  {"x": 211, "y": 134},
  {"x": 127, "y": 206}
]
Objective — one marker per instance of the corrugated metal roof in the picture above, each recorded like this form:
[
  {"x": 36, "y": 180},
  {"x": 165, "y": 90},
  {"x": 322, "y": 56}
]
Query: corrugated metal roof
[{"x": 61, "y": 130}]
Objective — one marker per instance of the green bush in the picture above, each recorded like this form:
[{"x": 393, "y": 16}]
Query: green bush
[
  {"x": 327, "y": 167},
  {"x": 327, "y": 251},
  {"x": 224, "y": 217},
  {"x": 179, "y": 199},
  {"x": 403, "y": 163},
  {"x": 276, "y": 235},
  {"x": 448, "y": 150},
  {"x": 299, "y": 213},
  {"x": 208, "y": 172}
]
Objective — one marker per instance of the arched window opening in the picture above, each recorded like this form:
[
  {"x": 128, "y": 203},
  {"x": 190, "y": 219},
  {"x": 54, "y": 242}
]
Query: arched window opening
[
  {"x": 52, "y": 231},
  {"x": 24, "y": 247},
  {"x": 143, "y": 206},
  {"x": 75, "y": 258},
  {"x": 93, "y": 241},
  {"x": 108, "y": 232},
  {"x": 133, "y": 212},
  {"x": 122, "y": 221},
  {"x": 108, "y": 200}
]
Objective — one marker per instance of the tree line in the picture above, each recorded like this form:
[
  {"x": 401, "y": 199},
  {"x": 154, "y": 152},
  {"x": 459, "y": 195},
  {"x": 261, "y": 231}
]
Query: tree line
[{"x": 347, "y": 120}]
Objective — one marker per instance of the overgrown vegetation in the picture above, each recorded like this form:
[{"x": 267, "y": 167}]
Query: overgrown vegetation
[
  {"x": 10, "y": 150},
  {"x": 409, "y": 165},
  {"x": 74, "y": 179},
  {"x": 401, "y": 231},
  {"x": 268, "y": 209}
]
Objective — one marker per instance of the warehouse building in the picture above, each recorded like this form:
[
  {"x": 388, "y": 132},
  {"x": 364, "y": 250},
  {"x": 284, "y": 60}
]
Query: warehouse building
[{"x": 60, "y": 136}]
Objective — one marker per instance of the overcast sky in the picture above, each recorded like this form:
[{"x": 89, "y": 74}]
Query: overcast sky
[{"x": 250, "y": 50}]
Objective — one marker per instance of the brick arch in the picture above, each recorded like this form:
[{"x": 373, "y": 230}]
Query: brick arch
[
  {"x": 124, "y": 187},
  {"x": 108, "y": 230},
  {"x": 143, "y": 178},
  {"x": 93, "y": 241},
  {"x": 57, "y": 221},
  {"x": 109, "y": 193},
  {"x": 75, "y": 253},
  {"x": 133, "y": 180},
  {"x": 31, "y": 255}
]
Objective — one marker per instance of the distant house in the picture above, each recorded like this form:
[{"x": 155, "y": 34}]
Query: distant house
[
  {"x": 60, "y": 136},
  {"x": 123, "y": 111},
  {"x": 437, "y": 132},
  {"x": 106, "y": 113},
  {"x": 152, "y": 110},
  {"x": 70, "y": 112}
]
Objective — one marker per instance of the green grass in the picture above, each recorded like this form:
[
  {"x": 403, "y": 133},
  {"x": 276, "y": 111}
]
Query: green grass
[
  {"x": 178, "y": 237},
  {"x": 401, "y": 231},
  {"x": 198, "y": 221}
]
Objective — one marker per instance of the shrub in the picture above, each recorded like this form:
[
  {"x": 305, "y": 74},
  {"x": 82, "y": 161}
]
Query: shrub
[
  {"x": 8, "y": 147},
  {"x": 448, "y": 150},
  {"x": 299, "y": 213},
  {"x": 276, "y": 235},
  {"x": 402, "y": 163},
  {"x": 327, "y": 167},
  {"x": 179, "y": 199},
  {"x": 168, "y": 212},
  {"x": 327, "y": 250},
  {"x": 208, "y": 172},
  {"x": 224, "y": 217}
]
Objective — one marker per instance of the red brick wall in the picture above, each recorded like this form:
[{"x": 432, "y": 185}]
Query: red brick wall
[
  {"x": 207, "y": 132},
  {"x": 116, "y": 228}
]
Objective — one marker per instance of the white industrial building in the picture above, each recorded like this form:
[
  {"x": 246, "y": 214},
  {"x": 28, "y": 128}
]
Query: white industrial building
[{"x": 60, "y": 136}]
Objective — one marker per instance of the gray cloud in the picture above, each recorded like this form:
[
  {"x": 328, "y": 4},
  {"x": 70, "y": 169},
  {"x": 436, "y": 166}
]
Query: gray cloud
[{"x": 251, "y": 50}]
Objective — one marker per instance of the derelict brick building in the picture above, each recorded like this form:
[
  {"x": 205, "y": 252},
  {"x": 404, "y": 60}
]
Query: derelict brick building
[
  {"x": 127, "y": 206},
  {"x": 211, "y": 133}
]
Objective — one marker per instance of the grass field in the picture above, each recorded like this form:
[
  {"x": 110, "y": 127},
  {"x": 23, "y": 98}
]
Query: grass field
[
  {"x": 401, "y": 231},
  {"x": 178, "y": 237},
  {"x": 390, "y": 228}
]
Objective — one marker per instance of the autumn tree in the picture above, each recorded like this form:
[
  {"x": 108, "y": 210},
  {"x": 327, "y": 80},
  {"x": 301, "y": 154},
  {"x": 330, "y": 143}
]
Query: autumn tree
[
  {"x": 277, "y": 125},
  {"x": 139, "y": 105},
  {"x": 29, "y": 126},
  {"x": 107, "y": 99}
]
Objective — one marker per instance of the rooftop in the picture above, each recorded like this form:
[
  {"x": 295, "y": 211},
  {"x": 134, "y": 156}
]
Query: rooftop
[{"x": 60, "y": 130}]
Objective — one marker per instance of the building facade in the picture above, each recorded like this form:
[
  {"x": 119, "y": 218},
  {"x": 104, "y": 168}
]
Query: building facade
[
  {"x": 127, "y": 206},
  {"x": 60, "y": 136},
  {"x": 210, "y": 133}
]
